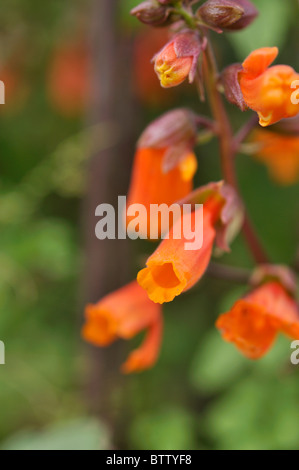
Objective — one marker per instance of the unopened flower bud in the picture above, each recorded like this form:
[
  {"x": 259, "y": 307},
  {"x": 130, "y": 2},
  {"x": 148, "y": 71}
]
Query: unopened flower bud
[
  {"x": 175, "y": 131},
  {"x": 170, "y": 129},
  {"x": 178, "y": 59},
  {"x": 151, "y": 13},
  {"x": 227, "y": 14}
]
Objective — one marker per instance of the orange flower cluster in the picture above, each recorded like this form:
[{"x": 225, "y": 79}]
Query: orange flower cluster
[{"x": 163, "y": 171}]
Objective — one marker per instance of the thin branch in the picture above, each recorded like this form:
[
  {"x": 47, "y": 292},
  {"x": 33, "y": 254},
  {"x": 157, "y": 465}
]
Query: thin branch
[
  {"x": 227, "y": 150},
  {"x": 229, "y": 273},
  {"x": 245, "y": 130}
]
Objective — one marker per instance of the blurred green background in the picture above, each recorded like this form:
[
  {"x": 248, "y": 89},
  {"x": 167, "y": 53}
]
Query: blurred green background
[{"x": 202, "y": 394}]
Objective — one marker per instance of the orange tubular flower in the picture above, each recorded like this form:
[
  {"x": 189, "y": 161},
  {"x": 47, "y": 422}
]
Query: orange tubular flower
[
  {"x": 172, "y": 269},
  {"x": 150, "y": 185},
  {"x": 267, "y": 90},
  {"x": 254, "y": 322},
  {"x": 280, "y": 153},
  {"x": 123, "y": 314}
]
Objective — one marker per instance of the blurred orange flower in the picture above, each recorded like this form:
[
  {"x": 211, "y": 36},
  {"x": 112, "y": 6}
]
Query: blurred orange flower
[
  {"x": 150, "y": 185},
  {"x": 254, "y": 322},
  {"x": 267, "y": 90},
  {"x": 280, "y": 153},
  {"x": 123, "y": 314},
  {"x": 68, "y": 79},
  {"x": 172, "y": 269},
  {"x": 16, "y": 85}
]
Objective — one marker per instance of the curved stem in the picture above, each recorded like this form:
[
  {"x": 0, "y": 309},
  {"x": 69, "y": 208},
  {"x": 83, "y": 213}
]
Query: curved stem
[{"x": 228, "y": 149}]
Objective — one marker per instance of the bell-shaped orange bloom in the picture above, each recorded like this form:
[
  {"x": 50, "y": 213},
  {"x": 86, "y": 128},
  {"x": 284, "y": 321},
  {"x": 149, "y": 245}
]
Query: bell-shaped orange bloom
[
  {"x": 123, "y": 314},
  {"x": 268, "y": 90},
  {"x": 280, "y": 153},
  {"x": 151, "y": 185},
  {"x": 173, "y": 269},
  {"x": 254, "y": 322}
]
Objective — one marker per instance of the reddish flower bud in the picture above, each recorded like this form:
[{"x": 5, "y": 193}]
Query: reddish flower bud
[
  {"x": 176, "y": 130},
  {"x": 178, "y": 59},
  {"x": 231, "y": 215},
  {"x": 173, "y": 269},
  {"x": 151, "y": 13},
  {"x": 227, "y": 14},
  {"x": 279, "y": 151},
  {"x": 253, "y": 322}
]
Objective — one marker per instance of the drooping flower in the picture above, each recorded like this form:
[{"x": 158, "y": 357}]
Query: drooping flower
[
  {"x": 164, "y": 163},
  {"x": 123, "y": 314},
  {"x": 254, "y": 321},
  {"x": 268, "y": 90},
  {"x": 280, "y": 153},
  {"x": 172, "y": 269},
  {"x": 145, "y": 83},
  {"x": 178, "y": 59},
  {"x": 150, "y": 185},
  {"x": 152, "y": 13}
]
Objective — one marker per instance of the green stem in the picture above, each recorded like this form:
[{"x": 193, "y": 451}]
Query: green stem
[{"x": 185, "y": 14}]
